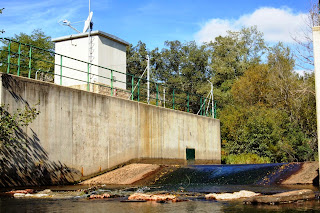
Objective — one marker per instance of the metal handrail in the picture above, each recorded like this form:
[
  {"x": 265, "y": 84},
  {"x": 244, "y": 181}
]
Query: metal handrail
[{"x": 24, "y": 61}]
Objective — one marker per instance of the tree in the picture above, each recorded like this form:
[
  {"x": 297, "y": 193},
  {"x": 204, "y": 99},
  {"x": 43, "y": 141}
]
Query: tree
[
  {"x": 136, "y": 59},
  {"x": 2, "y": 31},
  {"x": 269, "y": 116},
  {"x": 182, "y": 67},
  {"x": 267, "y": 111},
  {"x": 304, "y": 41},
  {"x": 230, "y": 56},
  {"x": 11, "y": 122},
  {"x": 252, "y": 88},
  {"x": 234, "y": 53},
  {"x": 42, "y": 57}
]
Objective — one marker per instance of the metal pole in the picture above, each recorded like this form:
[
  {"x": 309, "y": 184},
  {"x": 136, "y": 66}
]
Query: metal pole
[
  {"x": 9, "y": 56},
  {"x": 88, "y": 77},
  {"x": 89, "y": 47},
  {"x": 111, "y": 83},
  {"x": 164, "y": 97},
  {"x": 132, "y": 82},
  {"x": 60, "y": 69},
  {"x": 188, "y": 109},
  {"x": 148, "y": 80},
  {"x": 30, "y": 55},
  {"x": 173, "y": 99},
  {"x": 211, "y": 92},
  {"x": 157, "y": 97},
  {"x": 215, "y": 110},
  {"x": 204, "y": 106},
  {"x": 19, "y": 57},
  {"x": 138, "y": 91},
  {"x": 200, "y": 105}
]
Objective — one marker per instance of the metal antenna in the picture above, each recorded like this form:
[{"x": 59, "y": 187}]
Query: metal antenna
[
  {"x": 67, "y": 23},
  {"x": 88, "y": 27}
]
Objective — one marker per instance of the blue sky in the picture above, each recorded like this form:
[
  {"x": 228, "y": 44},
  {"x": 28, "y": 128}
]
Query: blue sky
[{"x": 154, "y": 22}]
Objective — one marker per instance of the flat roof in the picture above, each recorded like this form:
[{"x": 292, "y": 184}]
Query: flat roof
[{"x": 93, "y": 33}]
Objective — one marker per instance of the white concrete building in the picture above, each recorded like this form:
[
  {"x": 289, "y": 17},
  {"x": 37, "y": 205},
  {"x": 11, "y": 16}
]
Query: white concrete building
[{"x": 107, "y": 51}]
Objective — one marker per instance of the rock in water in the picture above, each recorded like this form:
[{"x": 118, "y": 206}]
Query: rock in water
[
  {"x": 231, "y": 196},
  {"x": 17, "y": 195},
  {"x": 152, "y": 197},
  {"x": 284, "y": 197}
]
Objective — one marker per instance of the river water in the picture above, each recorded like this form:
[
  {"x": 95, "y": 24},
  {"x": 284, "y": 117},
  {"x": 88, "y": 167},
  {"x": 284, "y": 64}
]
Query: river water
[
  {"x": 85, "y": 205},
  {"x": 191, "y": 182}
]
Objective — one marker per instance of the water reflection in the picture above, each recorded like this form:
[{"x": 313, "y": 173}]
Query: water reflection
[{"x": 44, "y": 206}]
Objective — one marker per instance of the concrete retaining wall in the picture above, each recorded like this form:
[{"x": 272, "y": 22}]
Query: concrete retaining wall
[{"x": 79, "y": 133}]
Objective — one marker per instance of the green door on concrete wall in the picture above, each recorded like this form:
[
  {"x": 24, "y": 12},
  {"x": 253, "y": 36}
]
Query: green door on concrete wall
[{"x": 190, "y": 153}]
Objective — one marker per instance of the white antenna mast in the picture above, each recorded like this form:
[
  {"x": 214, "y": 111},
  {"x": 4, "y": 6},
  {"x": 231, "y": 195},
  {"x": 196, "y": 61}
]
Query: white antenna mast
[{"x": 88, "y": 27}]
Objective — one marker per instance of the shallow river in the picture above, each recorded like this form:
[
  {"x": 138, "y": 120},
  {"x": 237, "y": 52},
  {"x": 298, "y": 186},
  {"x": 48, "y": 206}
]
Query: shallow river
[
  {"x": 84, "y": 205},
  {"x": 192, "y": 183},
  {"x": 196, "y": 204}
]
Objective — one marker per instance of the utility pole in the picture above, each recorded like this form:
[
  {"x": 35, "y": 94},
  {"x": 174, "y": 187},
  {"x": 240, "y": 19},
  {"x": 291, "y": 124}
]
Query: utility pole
[{"x": 148, "y": 79}]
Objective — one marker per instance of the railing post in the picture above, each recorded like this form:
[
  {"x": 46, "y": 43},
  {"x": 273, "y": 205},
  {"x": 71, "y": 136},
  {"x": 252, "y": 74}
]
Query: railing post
[
  {"x": 157, "y": 97},
  {"x": 204, "y": 107},
  {"x": 60, "y": 69},
  {"x": 201, "y": 106},
  {"x": 30, "y": 57},
  {"x": 111, "y": 82},
  {"x": 173, "y": 99},
  {"x": 88, "y": 76},
  {"x": 138, "y": 90},
  {"x": 9, "y": 51},
  {"x": 164, "y": 97},
  {"x": 215, "y": 110},
  {"x": 132, "y": 83},
  {"x": 188, "y": 105},
  {"x": 19, "y": 57}
]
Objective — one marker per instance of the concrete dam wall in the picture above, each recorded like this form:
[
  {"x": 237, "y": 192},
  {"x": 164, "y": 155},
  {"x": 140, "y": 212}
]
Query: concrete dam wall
[{"x": 80, "y": 133}]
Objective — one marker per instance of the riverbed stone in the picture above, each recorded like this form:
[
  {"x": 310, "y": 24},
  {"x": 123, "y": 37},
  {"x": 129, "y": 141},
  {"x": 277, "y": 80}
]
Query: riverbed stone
[
  {"x": 231, "y": 196},
  {"x": 284, "y": 197}
]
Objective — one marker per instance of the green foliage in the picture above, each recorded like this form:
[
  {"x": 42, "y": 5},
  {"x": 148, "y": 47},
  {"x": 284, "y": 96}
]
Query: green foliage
[
  {"x": 245, "y": 158},
  {"x": 268, "y": 117},
  {"x": 136, "y": 59},
  {"x": 267, "y": 111},
  {"x": 184, "y": 66},
  {"x": 11, "y": 122},
  {"x": 231, "y": 56},
  {"x": 181, "y": 67},
  {"x": 41, "y": 60}
]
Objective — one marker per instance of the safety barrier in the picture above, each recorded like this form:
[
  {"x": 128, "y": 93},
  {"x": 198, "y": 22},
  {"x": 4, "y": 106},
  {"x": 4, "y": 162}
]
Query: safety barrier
[{"x": 33, "y": 62}]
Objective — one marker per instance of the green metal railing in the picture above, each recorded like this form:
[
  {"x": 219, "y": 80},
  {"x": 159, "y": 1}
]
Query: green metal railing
[{"x": 27, "y": 61}]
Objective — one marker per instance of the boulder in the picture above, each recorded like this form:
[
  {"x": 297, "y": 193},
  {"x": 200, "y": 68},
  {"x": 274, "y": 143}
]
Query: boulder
[
  {"x": 152, "y": 197},
  {"x": 231, "y": 196},
  {"x": 284, "y": 197}
]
